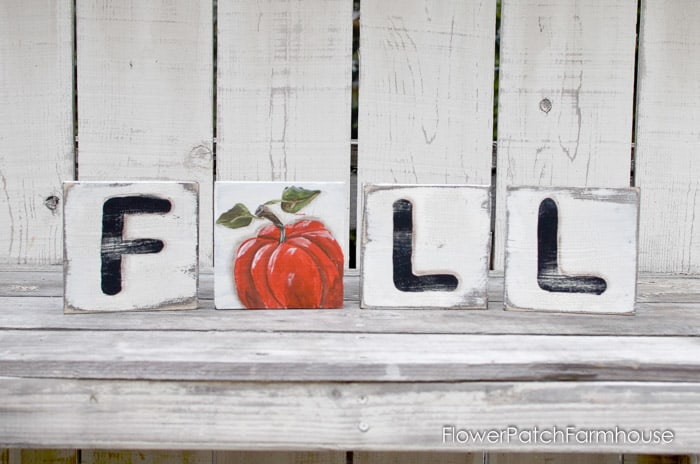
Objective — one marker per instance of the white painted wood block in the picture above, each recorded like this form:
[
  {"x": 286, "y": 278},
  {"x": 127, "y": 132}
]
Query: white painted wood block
[
  {"x": 571, "y": 250},
  {"x": 257, "y": 266},
  {"x": 425, "y": 246},
  {"x": 130, "y": 246}
]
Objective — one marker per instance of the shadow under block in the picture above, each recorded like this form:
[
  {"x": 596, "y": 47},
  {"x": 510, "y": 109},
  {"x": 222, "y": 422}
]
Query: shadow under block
[{"x": 130, "y": 246}]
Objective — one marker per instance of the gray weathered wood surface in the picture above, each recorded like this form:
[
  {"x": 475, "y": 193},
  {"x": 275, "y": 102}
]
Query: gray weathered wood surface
[{"x": 345, "y": 379}]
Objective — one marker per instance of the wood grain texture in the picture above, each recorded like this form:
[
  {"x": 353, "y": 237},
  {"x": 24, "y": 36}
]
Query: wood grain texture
[
  {"x": 279, "y": 457},
  {"x": 283, "y": 90},
  {"x": 552, "y": 458},
  {"x": 334, "y": 416},
  {"x": 667, "y": 306},
  {"x": 338, "y": 357},
  {"x": 418, "y": 458},
  {"x": 426, "y": 92},
  {"x": 98, "y": 456},
  {"x": 565, "y": 97},
  {"x": 145, "y": 88},
  {"x": 36, "y": 127},
  {"x": 668, "y": 133}
]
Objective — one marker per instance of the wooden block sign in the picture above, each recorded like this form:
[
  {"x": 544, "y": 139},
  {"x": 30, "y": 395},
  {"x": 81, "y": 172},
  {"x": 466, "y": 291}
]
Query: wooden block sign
[
  {"x": 425, "y": 246},
  {"x": 571, "y": 250},
  {"x": 279, "y": 245},
  {"x": 130, "y": 246}
]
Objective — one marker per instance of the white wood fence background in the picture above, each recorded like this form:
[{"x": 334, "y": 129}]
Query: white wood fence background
[
  {"x": 132, "y": 90},
  {"x": 144, "y": 103}
]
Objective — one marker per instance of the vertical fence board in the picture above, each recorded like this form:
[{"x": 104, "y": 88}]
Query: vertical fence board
[
  {"x": 145, "y": 83},
  {"x": 553, "y": 458},
  {"x": 36, "y": 129},
  {"x": 145, "y": 457},
  {"x": 426, "y": 91},
  {"x": 284, "y": 77},
  {"x": 418, "y": 458},
  {"x": 279, "y": 457},
  {"x": 668, "y": 137},
  {"x": 565, "y": 96}
]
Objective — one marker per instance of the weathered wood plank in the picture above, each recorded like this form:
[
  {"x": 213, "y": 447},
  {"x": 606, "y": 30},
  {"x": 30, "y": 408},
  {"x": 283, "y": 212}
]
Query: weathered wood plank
[
  {"x": 279, "y": 457},
  {"x": 417, "y": 458},
  {"x": 676, "y": 319},
  {"x": 565, "y": 97},
  {"x": 552, "y": 458},
  {"x": 90, "y": 456},
  {"x": 283, "y": 90},
  {"x": 48, "y": 281},
  {"x": 426, "y": 92},
  {"x": 36, "y": 133},
  {"x": 336, "y": 416},
  {"x": 303, "y": 356},
  {"x": 145, "y": 95},
  {"x": 667, "y": 307},
  {"x": 668, "y": 131}
]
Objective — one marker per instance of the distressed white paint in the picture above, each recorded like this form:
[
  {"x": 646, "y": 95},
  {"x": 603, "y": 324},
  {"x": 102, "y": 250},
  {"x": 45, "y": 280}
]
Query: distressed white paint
[
  {"x": 36, "y": 127},
  {"x": 283, "y": 90},
  {"x": 426, "y": 92},
  {"x": 565, "y": 97},
  {"x": 597, "y": 236},
  {"x": 451, "y": 235},
  {"x": 163, "y": 280},
  {"x": 145, "y": 80},
  {"x": 336, "y": 416},
  {"x": 328, "y": 208},
  {"x": 668, "y": 137}
]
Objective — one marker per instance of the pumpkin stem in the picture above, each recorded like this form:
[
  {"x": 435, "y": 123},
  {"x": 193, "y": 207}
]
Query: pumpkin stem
[{"x": 264, "y": 212}]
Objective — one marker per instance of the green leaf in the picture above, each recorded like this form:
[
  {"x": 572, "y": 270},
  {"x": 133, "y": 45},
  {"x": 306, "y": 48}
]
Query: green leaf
[
  {"x": 236, "y": 217},
  {"x": 295, "y": 198}
]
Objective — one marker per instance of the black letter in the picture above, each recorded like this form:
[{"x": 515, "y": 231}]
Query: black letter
[
  {"x": 404, "y": 279},
  {"x": 548, "y": 276},
  {"x": 113, "y": 247}
]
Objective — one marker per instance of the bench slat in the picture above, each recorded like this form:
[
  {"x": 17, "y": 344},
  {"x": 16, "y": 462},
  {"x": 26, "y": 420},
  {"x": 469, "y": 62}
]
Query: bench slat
[{"x": 336, "y": 416}]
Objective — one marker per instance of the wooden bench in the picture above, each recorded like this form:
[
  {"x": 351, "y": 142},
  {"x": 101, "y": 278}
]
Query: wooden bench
[{"x": 124, "y": 91}]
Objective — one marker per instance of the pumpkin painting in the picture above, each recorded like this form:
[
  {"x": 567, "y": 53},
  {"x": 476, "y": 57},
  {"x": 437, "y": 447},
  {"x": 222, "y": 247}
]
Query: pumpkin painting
[{"x": 286, "y": 266}]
